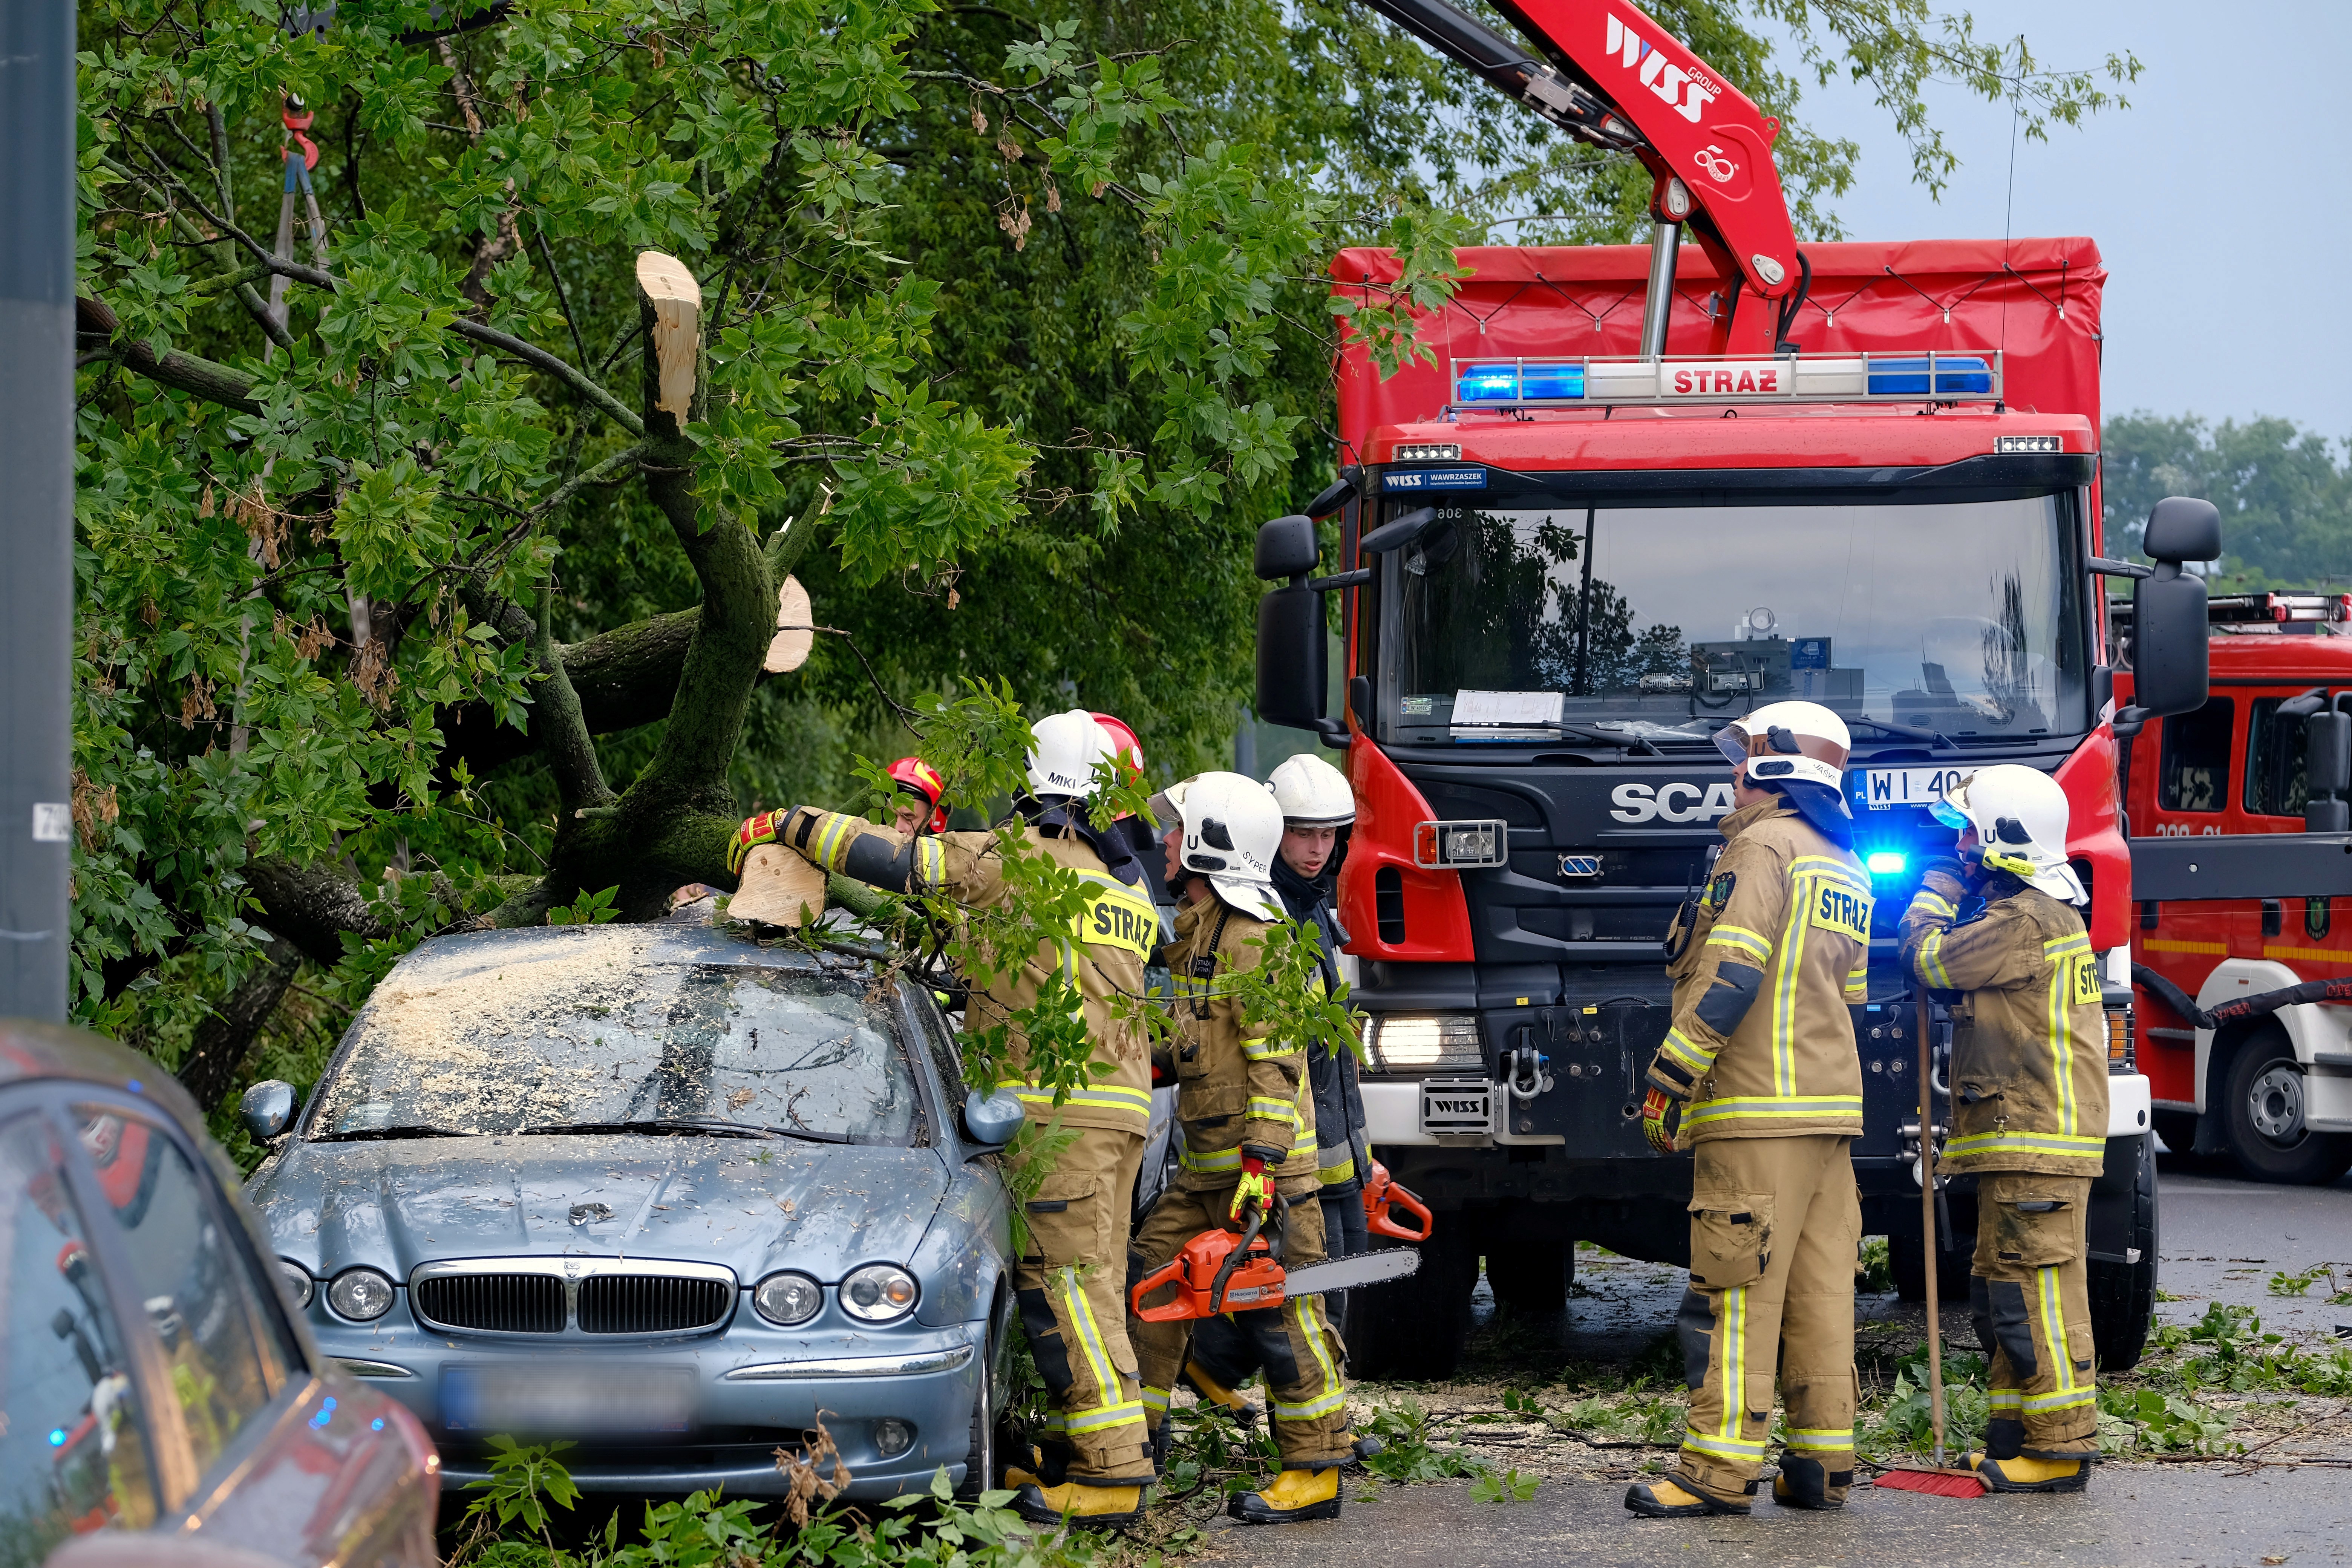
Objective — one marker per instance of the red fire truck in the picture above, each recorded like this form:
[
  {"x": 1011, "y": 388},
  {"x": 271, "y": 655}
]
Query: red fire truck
[
  {"x": 2239, "y": 853},
  {"x": 1628, "y": 495}
]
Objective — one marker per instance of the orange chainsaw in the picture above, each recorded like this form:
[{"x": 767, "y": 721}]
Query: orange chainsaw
[
  {"x": 1218, "y": 1271},
  {"x": 1380, "y": 1194}
]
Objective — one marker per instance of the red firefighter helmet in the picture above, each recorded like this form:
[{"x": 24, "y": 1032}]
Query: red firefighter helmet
[
  {"x": 918, "y": 778},
  {"x": 1124, "y": 746}
]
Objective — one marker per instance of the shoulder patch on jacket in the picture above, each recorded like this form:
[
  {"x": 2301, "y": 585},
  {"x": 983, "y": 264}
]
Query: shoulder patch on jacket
[{"x": 1719, "y": 889}]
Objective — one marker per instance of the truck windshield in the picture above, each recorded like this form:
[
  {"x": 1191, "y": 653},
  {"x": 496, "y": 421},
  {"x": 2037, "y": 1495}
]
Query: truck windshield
[{"x": 1515, "y": 619}]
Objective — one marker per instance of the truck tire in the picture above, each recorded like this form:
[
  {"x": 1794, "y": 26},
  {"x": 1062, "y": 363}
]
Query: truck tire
[
  {"x": 1907, "y": 1261},
  {"x": 2177, "y": 1129},
  {"x": 1412, "y": 1330},
  {"x": 2123, "y": 1295},
  {"x": 2262, "y": 1115},
  {"x": 1531, "y": 1277}
]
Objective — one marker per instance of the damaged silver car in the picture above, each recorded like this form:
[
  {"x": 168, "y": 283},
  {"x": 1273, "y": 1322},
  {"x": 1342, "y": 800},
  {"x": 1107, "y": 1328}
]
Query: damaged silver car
[{"x": 661, "y": 1191}]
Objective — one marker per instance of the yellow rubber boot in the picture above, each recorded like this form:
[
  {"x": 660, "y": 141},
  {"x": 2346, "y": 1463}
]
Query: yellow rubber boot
[
  {"x": 1295, "y": 1497},
  {"x": 1038, "y": 1469},
  {"x": 1665, "y": 1499},
  {"x": 2026, "y": 1475},
  {"x": 1216, "y": 1392},
  {"x": 1090, "y": 1507}
]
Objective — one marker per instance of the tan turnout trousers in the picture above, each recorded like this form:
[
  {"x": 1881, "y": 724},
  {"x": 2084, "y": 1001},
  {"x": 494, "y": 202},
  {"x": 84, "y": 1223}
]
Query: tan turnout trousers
[
  {"x": 1775, "y": 1223},
  {"x": 2029, "y": 1289},
  {"x": 1073, "y": 1306},
  {"x": 1295, "y": 1342}
]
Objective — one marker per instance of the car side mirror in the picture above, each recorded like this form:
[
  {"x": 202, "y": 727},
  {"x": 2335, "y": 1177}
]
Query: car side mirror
[
  {"x": 267, "y": 1110},
  {"x": 992, "y": 1119},
  {"x": 2170, "y": 631}
]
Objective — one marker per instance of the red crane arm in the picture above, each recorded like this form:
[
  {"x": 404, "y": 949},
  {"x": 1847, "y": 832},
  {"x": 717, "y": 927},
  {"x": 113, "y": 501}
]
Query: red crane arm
[{"x": 1618, "y": 79}]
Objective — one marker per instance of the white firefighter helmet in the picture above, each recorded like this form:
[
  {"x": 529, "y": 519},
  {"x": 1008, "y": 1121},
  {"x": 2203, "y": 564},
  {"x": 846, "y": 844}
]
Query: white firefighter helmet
[
  {"x": 1312, "y": 793},
  {"x": 1068, "y": 745},
  {"x": 1790, "y": 741},
  {"x": 1233, "y": 829},
  {"x": 2021, "y": 816}
]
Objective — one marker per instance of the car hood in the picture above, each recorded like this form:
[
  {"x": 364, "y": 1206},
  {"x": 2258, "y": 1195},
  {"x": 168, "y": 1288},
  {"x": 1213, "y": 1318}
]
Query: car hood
[{"x": 748, "y": 1205}]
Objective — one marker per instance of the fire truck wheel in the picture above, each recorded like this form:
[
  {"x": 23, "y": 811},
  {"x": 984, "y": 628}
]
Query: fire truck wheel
[
  {"x": 2177, "y": 1129},
  {"x": 1412, "y": 1329},
  {"x": 1531, "y": 1277},
  {"x": 2261, "y": 1116},
  {"x": 1908, "y": 1262}
]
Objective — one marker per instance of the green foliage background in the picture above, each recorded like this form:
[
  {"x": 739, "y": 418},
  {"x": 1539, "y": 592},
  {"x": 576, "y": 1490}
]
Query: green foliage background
[{"x": 1015, "y": 327}]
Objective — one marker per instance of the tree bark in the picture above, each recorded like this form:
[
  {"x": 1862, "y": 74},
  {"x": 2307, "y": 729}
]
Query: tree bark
[
  {"x": 216, "y": 1058},
  {"x": 311, "y": 907},
  {"x": 197, "y": 377}
]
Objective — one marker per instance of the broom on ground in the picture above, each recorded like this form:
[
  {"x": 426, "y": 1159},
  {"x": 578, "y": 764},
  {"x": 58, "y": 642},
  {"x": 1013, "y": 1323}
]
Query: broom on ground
[{"x": 1938, "y": 1480}]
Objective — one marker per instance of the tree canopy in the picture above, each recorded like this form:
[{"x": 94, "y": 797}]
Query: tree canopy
[
  {"x": 2285, "y": 493},
  {"x": 409, "y": 598}
]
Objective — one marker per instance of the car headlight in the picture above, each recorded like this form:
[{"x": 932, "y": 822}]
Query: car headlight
[
  {"x": 362, "y": 1295},
  {"x": 299, "y": 1286},
  {"x": 788, "y": 1298},
  {"x": 878, "y": 1292}
]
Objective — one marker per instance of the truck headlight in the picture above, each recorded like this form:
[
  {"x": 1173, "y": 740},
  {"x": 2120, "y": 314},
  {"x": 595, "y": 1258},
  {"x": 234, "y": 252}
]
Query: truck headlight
[{"x": 1425, "y": 1043}]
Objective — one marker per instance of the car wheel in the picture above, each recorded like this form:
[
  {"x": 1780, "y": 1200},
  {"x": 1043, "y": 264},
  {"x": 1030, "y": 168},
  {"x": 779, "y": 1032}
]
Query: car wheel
[
  {"x": 2262, "y": 1116},
  {"x": 987, "y": 1407}
]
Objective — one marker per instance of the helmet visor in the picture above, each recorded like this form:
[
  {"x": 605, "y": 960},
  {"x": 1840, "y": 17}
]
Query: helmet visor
[
  {"x": 1947, "y": 812},
  {"x": 1732, "y": 741}
]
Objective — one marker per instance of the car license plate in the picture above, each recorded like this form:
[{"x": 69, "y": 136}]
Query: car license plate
[
  {"x": 567, "y": 1400},
  {"x": 1885, "y": 787},
  {"x": 1457, "y": 1105}
]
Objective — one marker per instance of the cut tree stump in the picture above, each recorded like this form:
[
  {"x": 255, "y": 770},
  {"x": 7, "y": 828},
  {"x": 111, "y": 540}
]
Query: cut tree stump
[{"x": 674, "y": 300}]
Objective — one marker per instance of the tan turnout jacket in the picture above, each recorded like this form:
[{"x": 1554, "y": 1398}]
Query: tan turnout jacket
[
  {"x": 2029, "y": 1070},
  {"x": 1102, "y": 955},
  {"x": 1235, "y": 1084},
  {"x": 1761, "y": 1041}
]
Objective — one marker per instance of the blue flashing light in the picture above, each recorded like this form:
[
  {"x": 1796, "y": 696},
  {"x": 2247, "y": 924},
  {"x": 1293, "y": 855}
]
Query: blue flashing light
[
  {"x": 1509, "y": 382},
  {"x": 57, "y": 1437},
  {"x": 326, "y": 1414},
  {"x": 1887, "y": 862},
  {"x": 135, "y": 1087},
  {"x": 376, "y": 1425},
  {"x": 1908, "y": 377}
]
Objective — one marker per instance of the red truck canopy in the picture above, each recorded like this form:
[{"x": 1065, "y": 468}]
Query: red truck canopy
[{"x": 2037, "y": 300}]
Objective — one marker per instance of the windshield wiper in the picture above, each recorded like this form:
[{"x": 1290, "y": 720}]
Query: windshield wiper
[
  {"x": 711, "y": 1126},
  {"x": 1909, "y": 733},
  {"x": 356, "y": 1134},
  {"x": 1639, "y": 745}
]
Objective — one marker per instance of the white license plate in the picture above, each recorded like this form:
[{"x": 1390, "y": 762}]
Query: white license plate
[
  {"x": 1885, "y": 787},
  {"x": 603, "y": 1399},
  {"x": 1457, "y": 1106}
]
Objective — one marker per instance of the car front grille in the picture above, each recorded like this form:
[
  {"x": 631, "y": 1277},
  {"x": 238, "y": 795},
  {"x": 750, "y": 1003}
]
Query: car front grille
[
  {"x": 651, "y": 1304},
  {"x": 493, "y": 1303}
]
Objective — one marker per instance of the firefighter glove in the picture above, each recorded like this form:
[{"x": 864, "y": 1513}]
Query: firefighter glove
[
  {"x": 1255, "y": 1187},
  {"x": 1946, "y": 877},
  {"x": 764, "y": 828},
  {"x": 1657, "y": 1107}
]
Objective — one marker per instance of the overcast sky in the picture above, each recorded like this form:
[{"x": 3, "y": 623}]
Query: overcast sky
[{"x": 2220, "y": 198}]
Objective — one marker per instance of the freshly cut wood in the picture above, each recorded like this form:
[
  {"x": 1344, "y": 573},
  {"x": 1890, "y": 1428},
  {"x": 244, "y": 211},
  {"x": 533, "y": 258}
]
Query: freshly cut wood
[
  {"x": 796, "y": 633},
  {"x": 676, "y": 301},
  {"x": 776, "y": 886}
]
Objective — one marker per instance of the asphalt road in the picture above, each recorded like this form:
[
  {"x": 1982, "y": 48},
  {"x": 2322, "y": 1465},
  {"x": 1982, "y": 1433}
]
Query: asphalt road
[{"x": 2222, "y": 1239}]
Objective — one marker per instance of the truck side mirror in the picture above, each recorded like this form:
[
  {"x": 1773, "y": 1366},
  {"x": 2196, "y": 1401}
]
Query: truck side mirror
[
  {"x": 1293, "y": 661},
  {"x": 2170, "y": 664},
  {"x": 1286, "y": 548},
  {"x": 2327, "y": 772}
]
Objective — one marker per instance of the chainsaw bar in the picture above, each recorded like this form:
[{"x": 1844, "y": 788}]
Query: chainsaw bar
[{"x": 1335, "y": 1274}]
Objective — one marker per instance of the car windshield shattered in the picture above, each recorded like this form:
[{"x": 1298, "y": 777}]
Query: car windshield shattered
[
  {"x": 1522, "y": 618},
  {"x": 560, "y": 1042}
]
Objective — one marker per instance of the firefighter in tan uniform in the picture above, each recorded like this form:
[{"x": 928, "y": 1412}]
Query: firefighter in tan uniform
[
  {"x": 2029, "y": 1077},
  {"x": 1069, "y": 1282},
  {"x": 1761, "y": 1055},
  {"x": 1247, "y": 1114}
]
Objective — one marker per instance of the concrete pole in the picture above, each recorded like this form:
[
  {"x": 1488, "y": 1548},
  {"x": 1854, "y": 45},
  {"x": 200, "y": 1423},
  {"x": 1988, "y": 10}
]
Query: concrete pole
[{"x": 37, "y": 587}]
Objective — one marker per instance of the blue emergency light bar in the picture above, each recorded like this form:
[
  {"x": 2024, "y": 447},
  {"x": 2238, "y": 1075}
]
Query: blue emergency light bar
[
  {"x": 1887, "y": 862},
  {"x": 1789, "y": 378}
]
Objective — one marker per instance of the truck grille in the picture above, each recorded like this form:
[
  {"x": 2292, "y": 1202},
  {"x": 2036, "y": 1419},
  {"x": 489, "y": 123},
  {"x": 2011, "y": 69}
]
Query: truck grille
[
  {"x": 651, "y": 1304},
  {"x": 494, "y": 1303}
]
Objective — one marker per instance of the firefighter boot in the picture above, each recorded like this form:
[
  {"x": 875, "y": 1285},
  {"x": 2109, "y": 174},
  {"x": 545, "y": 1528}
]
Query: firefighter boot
[
  {"x": 1090, "y": 1507},
  {"x": 1667, "y": 1498},
  {"x": 2026, "y": 1475},
  {"x": 1205, "y": 1384},
  {"x": 1047, "y": 1467},
  {"x": 1296, "y": 1495},
  {"x": 1809, "y": 1483}
]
